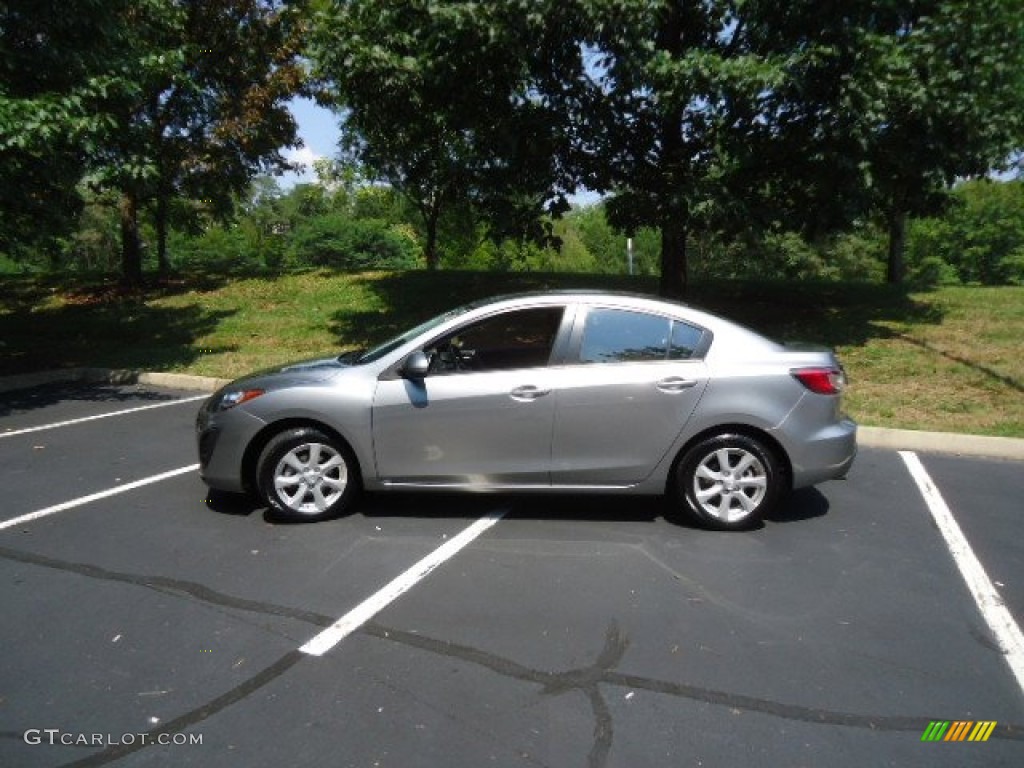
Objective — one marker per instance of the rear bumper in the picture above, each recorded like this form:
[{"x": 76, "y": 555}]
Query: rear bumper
[{"x": 827, "y": 455}]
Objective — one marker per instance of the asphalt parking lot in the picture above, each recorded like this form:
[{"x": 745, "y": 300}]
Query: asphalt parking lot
[{"x": 148, "y": 623}]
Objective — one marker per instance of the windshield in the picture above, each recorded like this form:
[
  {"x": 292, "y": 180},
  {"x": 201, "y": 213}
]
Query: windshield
[{"x": 390, "y": 346}]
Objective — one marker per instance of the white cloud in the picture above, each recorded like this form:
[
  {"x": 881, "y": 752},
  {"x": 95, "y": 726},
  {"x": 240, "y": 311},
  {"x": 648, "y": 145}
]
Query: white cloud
[{"x": 305, "y": 157}]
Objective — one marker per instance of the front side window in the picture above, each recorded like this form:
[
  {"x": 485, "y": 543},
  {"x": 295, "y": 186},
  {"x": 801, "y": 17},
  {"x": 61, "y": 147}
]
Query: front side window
[
  {"x": 621, "y": 336},
  {"x": 392, "y": 344},
  {"x": 519, "y": 339}
]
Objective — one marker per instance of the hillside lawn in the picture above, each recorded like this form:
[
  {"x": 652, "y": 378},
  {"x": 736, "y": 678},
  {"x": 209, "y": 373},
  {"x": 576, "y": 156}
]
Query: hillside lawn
[{"x": 949, "y": 359}]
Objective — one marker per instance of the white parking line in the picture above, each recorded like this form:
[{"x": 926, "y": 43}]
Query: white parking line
[
  {"x": 95, "y": 497},
  {"x": 991, "y": 605},
  {"x": 374, "y": 604},
  {"x": 69, "y": 422}
]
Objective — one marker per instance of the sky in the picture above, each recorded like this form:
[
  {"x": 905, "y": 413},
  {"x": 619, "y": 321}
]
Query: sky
[{"x": 318, "y": 129}]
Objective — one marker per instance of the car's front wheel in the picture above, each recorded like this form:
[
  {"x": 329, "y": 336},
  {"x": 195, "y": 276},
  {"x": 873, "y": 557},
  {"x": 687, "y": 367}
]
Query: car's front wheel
[
  {"x": 305, "y": 475},
  {"x": 730, "y": 482}
]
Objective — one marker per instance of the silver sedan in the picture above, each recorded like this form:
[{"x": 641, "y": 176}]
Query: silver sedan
[{"x": 549, "y": 392}]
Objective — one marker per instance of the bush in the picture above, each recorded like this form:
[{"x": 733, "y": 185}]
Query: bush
[
  {"x": 1013, "y": 267},
  {"x": 334, "y": 240},
  {"x": 859, "y": 255},
  {"x": 789, "y": 256},
  {"x": 928, "y": 253},
  {"x": 218, "y": 248},
  {"x": 981, "y": 236}
]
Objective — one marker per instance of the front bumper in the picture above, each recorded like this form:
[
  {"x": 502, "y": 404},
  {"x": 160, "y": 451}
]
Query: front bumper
[{"x": 221, "y": 440}]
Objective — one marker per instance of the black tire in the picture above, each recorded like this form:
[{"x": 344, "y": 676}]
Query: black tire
[
  {"x": 304, "y": 475},
  {"x": 729, "y": 482}
]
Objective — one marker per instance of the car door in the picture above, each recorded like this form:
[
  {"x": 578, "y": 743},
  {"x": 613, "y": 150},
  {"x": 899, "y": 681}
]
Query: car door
[
  {"x": 635, "y": 383},
  {"x": 483, "y": 414}
]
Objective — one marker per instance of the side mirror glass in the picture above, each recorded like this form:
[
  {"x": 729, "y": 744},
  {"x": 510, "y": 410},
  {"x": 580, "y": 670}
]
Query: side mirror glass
[{"x": 416, "y": 365}]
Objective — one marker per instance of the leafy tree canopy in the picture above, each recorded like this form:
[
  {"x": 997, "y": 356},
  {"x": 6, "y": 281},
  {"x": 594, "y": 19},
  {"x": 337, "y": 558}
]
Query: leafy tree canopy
[
  {"x": 55, "y": 75},
  {"x": 443, "y": 101},
  {"x": 156, "y": 99}
]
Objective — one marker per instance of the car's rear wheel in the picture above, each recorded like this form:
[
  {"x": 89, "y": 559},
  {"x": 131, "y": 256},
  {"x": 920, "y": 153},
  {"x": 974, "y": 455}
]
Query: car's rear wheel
[
  {"x": 729, "y": 482},
  {"x": 305, "y": 475}
]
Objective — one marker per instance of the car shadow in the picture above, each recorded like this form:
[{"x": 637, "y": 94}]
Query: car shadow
[
  {"x": 519, "y": 506},
  {"x": 232, "y": 504},
  {"x": 465, "y": 506},
  {"x": 804, "y": 504}
]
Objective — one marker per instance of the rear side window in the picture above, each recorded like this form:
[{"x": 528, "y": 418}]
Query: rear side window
[
  {"x": 685, "y": 340},
  {"x": 622, "y": 336}
]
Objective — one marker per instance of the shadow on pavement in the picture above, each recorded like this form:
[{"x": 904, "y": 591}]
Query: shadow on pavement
[
  {"x": 26, "y": 400},
  {"x": 805, "y": 504}
]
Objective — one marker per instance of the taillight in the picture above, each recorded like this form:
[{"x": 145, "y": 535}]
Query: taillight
[{"x": 823, "y": 381}]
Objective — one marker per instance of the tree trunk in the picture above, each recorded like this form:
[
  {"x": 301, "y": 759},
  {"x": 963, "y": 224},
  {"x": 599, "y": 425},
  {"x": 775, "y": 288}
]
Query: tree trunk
[
  {"x": 163, "y": 265},
  {"x": 674, "y": 277},
  {"x": 430, "y": 221},
  {"x": 131, "y": 247},
  {"x": 670, "y": 38},
  {"x": 897, "y": 247}
]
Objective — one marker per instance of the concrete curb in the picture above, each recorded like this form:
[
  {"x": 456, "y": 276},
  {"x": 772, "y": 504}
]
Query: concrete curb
[
  {"x": 942, "y": 442},
  {"x": 111, "y": 376},
  {"x": 867, "y": 437}
]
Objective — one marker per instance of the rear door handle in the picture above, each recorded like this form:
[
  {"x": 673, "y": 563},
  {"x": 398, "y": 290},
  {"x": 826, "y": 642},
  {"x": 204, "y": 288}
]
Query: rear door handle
[
  {"x": 528, "y": 393},
  {"x": 675, "y": 384}
]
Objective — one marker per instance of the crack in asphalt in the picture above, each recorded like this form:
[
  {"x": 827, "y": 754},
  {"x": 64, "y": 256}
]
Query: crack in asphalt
[
  {"x": 194, "y": 716},
  {"x": 583, "y": 679},
  {"x": 168, "y": 586},
  {"x": 586, "y": 680},
  {"x": 602, "y": 671}
]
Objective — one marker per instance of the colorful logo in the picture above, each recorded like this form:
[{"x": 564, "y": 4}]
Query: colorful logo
[{"x": 958, "y": 730}]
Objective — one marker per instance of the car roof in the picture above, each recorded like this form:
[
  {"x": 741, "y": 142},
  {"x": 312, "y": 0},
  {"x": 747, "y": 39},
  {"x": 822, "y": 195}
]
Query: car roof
[{"x": 583, "y": 294}]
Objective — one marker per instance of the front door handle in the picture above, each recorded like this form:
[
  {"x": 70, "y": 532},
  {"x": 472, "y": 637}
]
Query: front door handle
[
  {"x": 527, "y": 393},
  {"x": 675, "y": 384}
]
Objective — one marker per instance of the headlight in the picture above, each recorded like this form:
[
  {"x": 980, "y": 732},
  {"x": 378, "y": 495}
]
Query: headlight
[{"x": 236, "y": 397}]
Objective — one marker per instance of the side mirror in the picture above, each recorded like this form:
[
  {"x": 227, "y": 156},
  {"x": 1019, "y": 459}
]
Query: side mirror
[{"x": 416, "y": 365}]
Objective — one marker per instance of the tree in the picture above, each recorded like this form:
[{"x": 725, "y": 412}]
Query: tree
[
  {"x": 54, "y": 76},
  {"x": 206, "y": 110},
  {"x": 443, "y": 101},
  {"x": 906, "y": 98},
  {"x": 756, "y": 99},
  {"x": 680, "y": 97},
  {"x": 156, "y": 99},
  {"x": 944, "y": 99},
  {"x": 803, "y": 114},
  {"x": 660, "y": 103},
  {"x": 698, "y": 117}
]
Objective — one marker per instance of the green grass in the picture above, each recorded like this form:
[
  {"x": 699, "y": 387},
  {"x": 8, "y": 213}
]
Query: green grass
[{"x": 948, "y": 360}]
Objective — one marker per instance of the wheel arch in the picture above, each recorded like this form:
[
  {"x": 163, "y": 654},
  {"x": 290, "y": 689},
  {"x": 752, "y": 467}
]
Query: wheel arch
[
  {"x": 733, "y": 429},
  {"x": 253, "y": 451}
]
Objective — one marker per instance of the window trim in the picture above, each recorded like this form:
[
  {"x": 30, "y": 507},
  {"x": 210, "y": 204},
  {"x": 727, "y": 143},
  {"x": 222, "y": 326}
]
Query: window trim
[{"x": 557, "y": 356}]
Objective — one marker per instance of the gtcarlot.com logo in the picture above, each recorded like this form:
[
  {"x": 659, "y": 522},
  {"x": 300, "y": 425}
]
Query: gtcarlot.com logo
[
  {"x": 958, "y": 730},
  {"x": 57, "y": 737}
]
